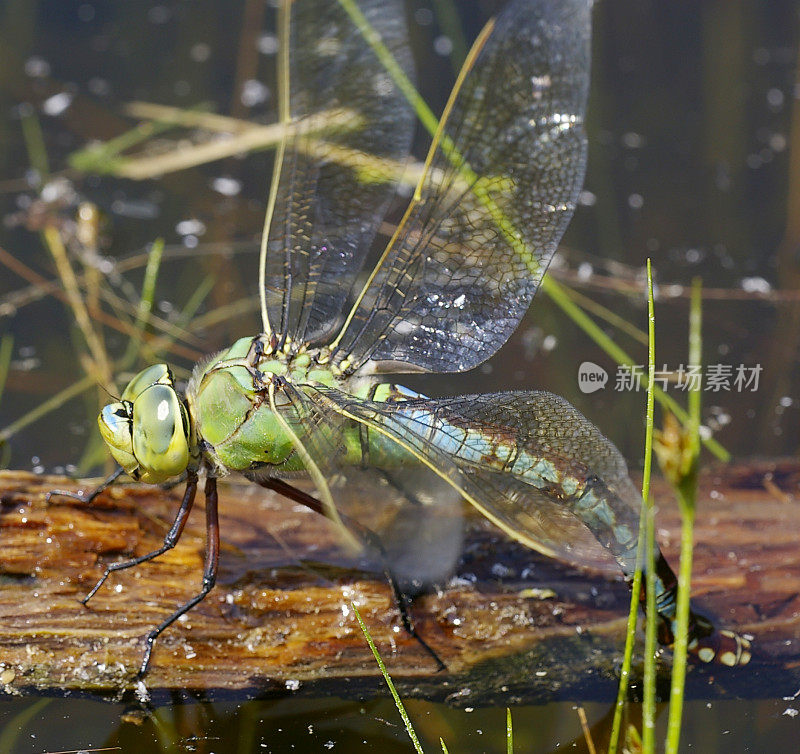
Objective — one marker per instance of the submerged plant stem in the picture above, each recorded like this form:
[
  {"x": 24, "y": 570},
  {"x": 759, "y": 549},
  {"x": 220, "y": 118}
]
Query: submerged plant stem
[{"x": 587, "y": 734}]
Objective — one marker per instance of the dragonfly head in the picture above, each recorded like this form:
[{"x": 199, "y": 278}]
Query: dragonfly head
[{"x": 147, "y": 430}]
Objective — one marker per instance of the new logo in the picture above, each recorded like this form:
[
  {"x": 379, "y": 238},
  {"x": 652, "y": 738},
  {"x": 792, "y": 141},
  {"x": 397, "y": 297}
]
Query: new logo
[{"x": 591, "y": 377}]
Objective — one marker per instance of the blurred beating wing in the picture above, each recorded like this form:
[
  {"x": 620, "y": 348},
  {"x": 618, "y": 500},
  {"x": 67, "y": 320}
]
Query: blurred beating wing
[
  {"x": 501, "y": 188},
  {"x": 350, "y": 128},
  {"x": 434, "y": 431},
  {"x": 416, "y": 514}
]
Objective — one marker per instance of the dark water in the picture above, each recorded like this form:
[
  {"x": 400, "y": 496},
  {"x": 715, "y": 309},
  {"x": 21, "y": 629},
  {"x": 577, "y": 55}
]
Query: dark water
[
  {"x": 693, "y": 126},
  {"x": 292, "y": 725}
]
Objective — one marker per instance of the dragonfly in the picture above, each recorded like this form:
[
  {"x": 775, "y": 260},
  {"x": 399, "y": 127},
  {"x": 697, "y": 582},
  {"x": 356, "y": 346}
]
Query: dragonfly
[{"x": 305, "y": 397}]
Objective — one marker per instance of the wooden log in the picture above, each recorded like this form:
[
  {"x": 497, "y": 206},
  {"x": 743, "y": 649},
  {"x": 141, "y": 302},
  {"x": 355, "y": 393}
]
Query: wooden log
[{"x": 280, "y": 616}]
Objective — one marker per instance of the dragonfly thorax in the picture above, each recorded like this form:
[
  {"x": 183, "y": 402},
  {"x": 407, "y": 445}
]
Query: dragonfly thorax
[
  {"x": 259, "y": 354},
  {"x": 241, "y": 402},
  {"x": 148, "y": 430}
]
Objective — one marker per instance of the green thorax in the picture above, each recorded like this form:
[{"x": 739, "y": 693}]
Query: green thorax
[{"x": 232, "y": 414}]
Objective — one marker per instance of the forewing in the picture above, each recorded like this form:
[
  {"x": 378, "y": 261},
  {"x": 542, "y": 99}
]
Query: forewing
[
  {"x": 471, "y": 441},
  {"x": 350, "y": 130},
  {"x": 501, "y": 188}
]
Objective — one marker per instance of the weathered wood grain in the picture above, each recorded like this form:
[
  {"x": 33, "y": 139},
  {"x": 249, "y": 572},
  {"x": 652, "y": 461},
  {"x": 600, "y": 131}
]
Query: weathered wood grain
[{"x": 280, "y": 615}]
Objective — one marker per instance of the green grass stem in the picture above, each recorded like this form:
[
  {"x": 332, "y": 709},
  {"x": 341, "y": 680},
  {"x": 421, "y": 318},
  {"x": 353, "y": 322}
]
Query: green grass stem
[
  {"x": 145, "y": 306},
  {"x": 105, "y": 157},
  {"x": 6, "y": 350},
  {"x": 618, "y": 321},
  {"x": 687, "y": 498},
  {"x": 636, "y": 586},
  {"x": 34, "y": 143},
  {"x": 681, "y": 627},
  {"x": 650, "y": 639},
  {"x": 44, "y": 408},
  {"x": 630, "y": 639},
  {"x": 398, "y": 702},
  {"x": 449, "y": 23},
  {"x": 649, "y": 681},
  {"x": 424, "y": 113}
]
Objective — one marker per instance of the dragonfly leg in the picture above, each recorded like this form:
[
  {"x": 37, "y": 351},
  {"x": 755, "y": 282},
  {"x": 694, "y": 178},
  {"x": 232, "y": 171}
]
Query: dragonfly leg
[
  {"x": 84, "y": 497},
  {"x": 400, "y": 597},
  {"x": 209, "y": 571},
  {"x": 170, "y": 540},
  {"x": 395, "y": 485},
  {"x": 173, "y": 483},
  {"x": 372, "y": 539}
]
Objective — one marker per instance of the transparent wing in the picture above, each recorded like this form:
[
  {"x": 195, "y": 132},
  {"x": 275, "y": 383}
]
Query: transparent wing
[
  {"x": 501, "y": 187},
  {"x": 524, "y": 459},
  {"x": 416, "y": 515},
  {"x": 350, "y": 128}
]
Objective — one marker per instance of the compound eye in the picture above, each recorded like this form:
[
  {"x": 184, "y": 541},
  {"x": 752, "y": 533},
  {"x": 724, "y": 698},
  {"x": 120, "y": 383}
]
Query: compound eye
[
  {"x": 115, "y": 422},
  {"x": 157, "y": 374},
  {"x": 160, "y": 442}
]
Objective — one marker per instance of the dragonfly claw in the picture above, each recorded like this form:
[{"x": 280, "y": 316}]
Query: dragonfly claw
[
  {"x": 149, "y": 641},
  {"x": 81, "y": 497},
  {"x": 86, "y": 497}
]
